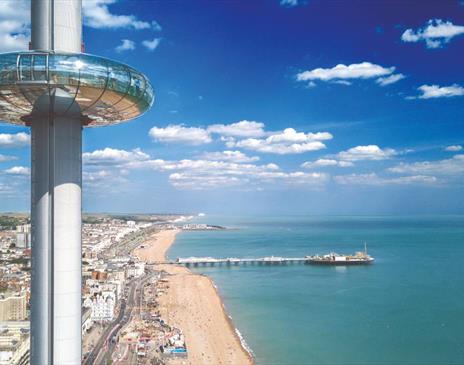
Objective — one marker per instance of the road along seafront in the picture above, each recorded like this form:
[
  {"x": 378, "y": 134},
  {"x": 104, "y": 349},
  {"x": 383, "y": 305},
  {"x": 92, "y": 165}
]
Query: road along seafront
[{"x": 192, "y": 303}]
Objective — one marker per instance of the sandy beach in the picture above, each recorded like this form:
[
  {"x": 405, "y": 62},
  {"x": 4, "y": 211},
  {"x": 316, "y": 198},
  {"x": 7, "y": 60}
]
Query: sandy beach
[{"x": 193, "y": 304}]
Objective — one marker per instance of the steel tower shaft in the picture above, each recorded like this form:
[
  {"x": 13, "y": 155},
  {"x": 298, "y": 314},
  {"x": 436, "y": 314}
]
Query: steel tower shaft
[
  {"x": 56, "y": 25},
  {"x": 57, "y": 90}
]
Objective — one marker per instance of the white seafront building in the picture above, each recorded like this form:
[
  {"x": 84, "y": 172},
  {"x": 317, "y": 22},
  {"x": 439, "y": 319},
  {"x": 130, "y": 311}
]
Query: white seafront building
[
  {"x": 98, "y": 237},
  {"x": 102, "y": 306},
  {"x": 23, "y": 236},
  {"x": 136, "y": 269},
  {"x": 13, "y": 308},
  {"x": 14, "y": 342}
]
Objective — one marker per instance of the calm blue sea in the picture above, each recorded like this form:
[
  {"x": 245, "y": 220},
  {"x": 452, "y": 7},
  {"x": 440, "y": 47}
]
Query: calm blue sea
[{"x": 407, "y": 308}]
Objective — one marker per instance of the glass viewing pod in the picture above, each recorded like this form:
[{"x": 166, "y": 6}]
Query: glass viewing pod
[{"x": 106, "y": 91}]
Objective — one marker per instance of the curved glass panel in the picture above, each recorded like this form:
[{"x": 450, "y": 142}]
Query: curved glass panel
[
  {"x": 25, "y": 68},
  {"x": 8, "y": 68},
  {"x": 93, "y": 76},
  {"x": 39, "y": 67},
  {"x": 105, "y": 91},
  {"x": 93, "y": 71},
  {"x": 116, "y": 93},
  {"x": 64, "y": 70},
  {"x": 118, "y": 77},
  {"x": 149, "y": 95},
  {"x": 137, "y": 87}
]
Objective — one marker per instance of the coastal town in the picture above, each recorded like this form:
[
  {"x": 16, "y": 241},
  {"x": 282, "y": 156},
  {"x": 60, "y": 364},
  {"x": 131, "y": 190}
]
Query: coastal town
[{"x": 135, "y": 309}]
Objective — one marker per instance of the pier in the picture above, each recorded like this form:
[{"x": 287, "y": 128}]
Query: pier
[
  {"x": 360, "y": 258},
  {"x": 211, "y": 261}
]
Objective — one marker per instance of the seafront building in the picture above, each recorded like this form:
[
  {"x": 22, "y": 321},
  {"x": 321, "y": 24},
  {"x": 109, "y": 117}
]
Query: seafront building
[
  {"x": 101, "y": 305},
  {"x": 14, "y": 343},
  {"x": 135, "y": 269},
  {"x": 23, "y": 236},
  {"x": 13, "y": 308},
  {"x": 105, "y": 280}
]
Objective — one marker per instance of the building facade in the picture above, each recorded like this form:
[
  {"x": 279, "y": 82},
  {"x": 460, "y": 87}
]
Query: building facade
[
  {"x": 102, "y": 306},
  {"x": 14, "y": 343},
  {"x": 13, "y": 308}
]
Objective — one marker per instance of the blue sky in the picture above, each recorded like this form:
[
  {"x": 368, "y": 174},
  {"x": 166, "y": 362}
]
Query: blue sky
[{"x": 270, "y": 107}]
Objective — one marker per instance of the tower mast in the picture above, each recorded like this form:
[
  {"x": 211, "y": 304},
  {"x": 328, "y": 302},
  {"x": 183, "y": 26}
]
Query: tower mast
[
  {"x": 57, "y": 90},
  {"x": 56, "y": 25}
]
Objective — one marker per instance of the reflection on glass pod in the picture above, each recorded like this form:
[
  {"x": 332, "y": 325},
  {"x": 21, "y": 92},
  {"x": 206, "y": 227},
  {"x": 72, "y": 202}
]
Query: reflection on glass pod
[{"x": 105, "y": 91}]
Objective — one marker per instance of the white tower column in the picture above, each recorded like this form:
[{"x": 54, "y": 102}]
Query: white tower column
[
  {"x": 42, "y": 250},
  {"x": 56, "y": 247},
  {"x": 56, "y": 198},
  {"x": 56, "y": 25}
]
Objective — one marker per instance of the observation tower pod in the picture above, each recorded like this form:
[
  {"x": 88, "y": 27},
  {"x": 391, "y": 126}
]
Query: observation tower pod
[{"x": 56, "y": 91}]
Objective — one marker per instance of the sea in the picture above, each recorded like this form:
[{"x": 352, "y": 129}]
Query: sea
[{"x": 406, "y": 308}]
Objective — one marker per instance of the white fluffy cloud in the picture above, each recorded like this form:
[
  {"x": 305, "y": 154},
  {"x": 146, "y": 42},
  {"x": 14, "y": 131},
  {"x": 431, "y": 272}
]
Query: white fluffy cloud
[
  {"x": 453, "y": 148},
  {"x": 96, "y": 177},
  {"x": 254, "y": 180},
  {"x": 341, "y": 73},
  {"x": 232, "y": 156},
  {"x": 436, "y": 91},
  {"x": 4, "y": 158},
  {"x": 244, "y": 134},
  {"x": 111, "y": 156},
  {"x": 289, "y": 141},
  {"x": 18, "y": 170},
  {"x": 202, "y": 174},
  {"x": 376, "y": 180},
  {"x": 291, "y": 3},
  {"x": 450, "y": 167},
  {"x": 20, "y": 139},
  {"x": 244, "y": 128},
  {"x": 14, "y": 25},
  {"x": 435, "y": 33},
  {"x": 323, "y": 162},
  {"x": 205, "y": 166},
  {"x": 106, "y": 167},
  {"x": 191, "y": 182},
  {"x": 348, "y": 157},
  {"x": 449, "y": 170},
  {"x": 126, "y": 45},
  {"x": 156, "y": 26},
  {"x": 212, "y": 169},
  {"x": 180, "y": 134},
  {"x": 261, "y": 145},
  {"x": 370, "y": 153},
  {"x": 6, "y": 189},
  {"x": 363, "y": 70},
  {"x": 151, "y": 45},
  {"x": 105, "y": 181},
  {"x": 384, "y": 81},
  {"x": 290, "y": 135},
  {"x": 97, "y": 15}
]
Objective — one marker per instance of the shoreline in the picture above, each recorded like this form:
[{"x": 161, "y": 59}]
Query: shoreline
[
  {"x": 193, "y": 303},
  {"x": 230, "y": 320}
]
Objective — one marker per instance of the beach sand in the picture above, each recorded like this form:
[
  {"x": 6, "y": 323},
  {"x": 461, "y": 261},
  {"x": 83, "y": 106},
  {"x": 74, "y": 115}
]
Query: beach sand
[{"x": 193, "y": 304}]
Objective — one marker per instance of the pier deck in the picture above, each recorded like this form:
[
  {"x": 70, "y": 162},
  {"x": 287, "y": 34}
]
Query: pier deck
[
  {"x": 270, "y": 260},
  {"x": 211, "y": 261}
]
